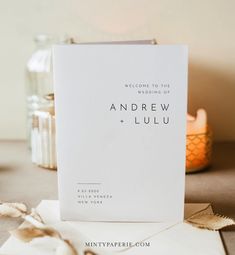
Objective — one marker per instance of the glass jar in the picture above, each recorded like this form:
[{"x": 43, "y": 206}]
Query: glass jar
[
  {"x": 43, "y": 145},
  {"x": 39, "y": 75}
]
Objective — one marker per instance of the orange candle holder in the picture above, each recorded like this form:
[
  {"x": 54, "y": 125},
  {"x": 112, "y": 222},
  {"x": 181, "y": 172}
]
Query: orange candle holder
[{"x": 198, "y": 151}]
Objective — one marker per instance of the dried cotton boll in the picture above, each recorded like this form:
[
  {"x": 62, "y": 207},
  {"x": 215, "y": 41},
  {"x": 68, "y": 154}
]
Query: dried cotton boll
[
  {"x": 88, "y": 252},
  {"x": 28, "y": 234},
  {"x": 12, "y": 209},
  {"x": 66, "y": 248},
  {"x": 36, "y": 216}
]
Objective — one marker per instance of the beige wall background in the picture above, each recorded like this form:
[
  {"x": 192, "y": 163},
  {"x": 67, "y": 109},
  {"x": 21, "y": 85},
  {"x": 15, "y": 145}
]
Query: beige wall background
[{"x": 208, "y": 27}]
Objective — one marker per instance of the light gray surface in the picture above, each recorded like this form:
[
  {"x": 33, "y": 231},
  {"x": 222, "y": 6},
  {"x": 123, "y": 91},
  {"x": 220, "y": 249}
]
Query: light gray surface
[{"x": 22, "y": 181}]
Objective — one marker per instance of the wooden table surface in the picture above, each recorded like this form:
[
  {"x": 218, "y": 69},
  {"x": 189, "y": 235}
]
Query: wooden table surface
[{"x": 21, "y": 181}]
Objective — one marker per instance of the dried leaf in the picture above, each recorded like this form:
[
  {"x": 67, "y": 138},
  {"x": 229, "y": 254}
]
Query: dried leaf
[
  {"x": 13, "y": 209},
  {"x": 210, "y": 221},
  {"x": 66, "y": 248},
  {"x": 27, "y": 234}
]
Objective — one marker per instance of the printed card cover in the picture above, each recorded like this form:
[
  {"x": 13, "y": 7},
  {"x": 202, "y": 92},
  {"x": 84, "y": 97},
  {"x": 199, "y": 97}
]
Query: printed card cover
[{"x": 121, "y": 131}]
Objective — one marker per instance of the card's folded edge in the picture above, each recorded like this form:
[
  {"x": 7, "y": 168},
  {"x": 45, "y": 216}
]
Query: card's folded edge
[{"x": 132, "y": 42}]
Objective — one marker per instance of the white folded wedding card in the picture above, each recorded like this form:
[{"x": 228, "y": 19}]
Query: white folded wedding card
[
  {"x": 108, "y": 238},
  {"x": 121, "y": 131}
]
